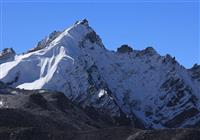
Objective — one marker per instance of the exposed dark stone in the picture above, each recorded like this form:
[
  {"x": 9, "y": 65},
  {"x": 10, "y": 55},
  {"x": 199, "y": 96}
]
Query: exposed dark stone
[
  {"x": 6, "y": 55},
  {"x": 16, "y": 118},
  {"x": 3, "y": 85},
  {"x": 30, "y": 134},
  {"x": 182, "y": 117},
  {"x": 124, "y": 49},
  {"x": 177, "y": 85},
  {"x": 166, "y": 134},
  {"x": 7, "y": 51},
  {"x": 84, "y": 21},
  {"x": 39, "y": 100},
  {"x": 195, "y": 72},
  {"x": 45, "y": 42},
  {"x": 150, "y": 51},
  {"x": 196, "y": 66},
  {"x": 93, "y": 37},
  {"x": 169, "y": 59},
  {"x": 177, "y": 95}
]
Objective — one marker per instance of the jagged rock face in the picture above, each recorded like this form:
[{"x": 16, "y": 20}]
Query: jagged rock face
[
  {"x": 45, "y": 42},
  {"x": 195, "y": 72},
  {"x": 168, "y": 134},
  {"x": 7, "y": 51},
  {"x": 124, "y": 49},
  {"x": 7, "y": 55},
  {"x": 177, "y": 95},
  {"x": 77, "y": 64}
]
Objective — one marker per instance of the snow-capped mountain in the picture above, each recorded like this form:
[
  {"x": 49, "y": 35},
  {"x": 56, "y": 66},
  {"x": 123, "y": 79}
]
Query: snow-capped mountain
[{"x": 140, "y": 84}]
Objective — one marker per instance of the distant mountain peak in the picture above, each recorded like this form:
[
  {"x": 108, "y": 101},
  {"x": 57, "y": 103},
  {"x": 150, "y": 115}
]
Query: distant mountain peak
[
  {"x": 83, "y": 22},
  {"x": 80, "y": 32}
]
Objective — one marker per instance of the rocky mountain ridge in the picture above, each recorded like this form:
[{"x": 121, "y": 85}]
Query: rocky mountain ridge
[
  {"x": 7, "y": 55},
  {"x": 77, "y": 63}
]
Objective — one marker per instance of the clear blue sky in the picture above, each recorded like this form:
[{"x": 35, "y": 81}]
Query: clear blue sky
[{"x": 170, "y": 27}]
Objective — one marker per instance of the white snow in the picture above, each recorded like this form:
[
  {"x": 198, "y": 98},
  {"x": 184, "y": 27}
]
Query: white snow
[
  {"x": 102, "y": 92},
  {"x": 1, "y": 104}
]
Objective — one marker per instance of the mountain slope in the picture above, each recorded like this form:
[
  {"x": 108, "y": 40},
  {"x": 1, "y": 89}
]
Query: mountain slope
[
  {"x": 48, "y": 115},
  {"x": 141, "y": 85}
]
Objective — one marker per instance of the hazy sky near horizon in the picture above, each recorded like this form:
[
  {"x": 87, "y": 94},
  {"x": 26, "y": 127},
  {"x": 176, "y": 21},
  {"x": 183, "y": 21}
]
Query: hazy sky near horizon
[{"x": 170, "y": 26}]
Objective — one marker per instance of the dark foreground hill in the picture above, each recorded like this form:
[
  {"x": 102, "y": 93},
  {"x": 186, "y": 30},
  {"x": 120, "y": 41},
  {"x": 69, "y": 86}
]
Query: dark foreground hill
[{"x": 48, "y": 115}]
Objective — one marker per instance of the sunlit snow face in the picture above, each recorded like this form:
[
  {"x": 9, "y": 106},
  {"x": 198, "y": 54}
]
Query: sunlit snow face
[
  {"x": 102, "y": 92},
  {"x": 1, "y": 104}
]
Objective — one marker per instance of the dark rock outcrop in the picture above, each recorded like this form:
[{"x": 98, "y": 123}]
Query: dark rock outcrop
[
  {"x": 7, "y": 55},
  {"x": 124, "y": 49},
  {"x": 45, "y": 42},
  {"x": 195, "y": 72},
  {"x": 166, "y": 134},
  {"x": 7, "y": 51}
]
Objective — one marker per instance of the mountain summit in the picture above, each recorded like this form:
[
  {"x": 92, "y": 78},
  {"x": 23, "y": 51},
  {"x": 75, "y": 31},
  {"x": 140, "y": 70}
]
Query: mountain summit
[{"x": 140, "y": 85}]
